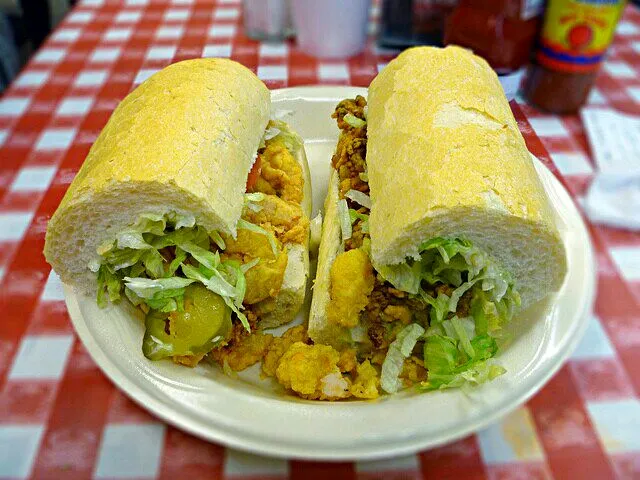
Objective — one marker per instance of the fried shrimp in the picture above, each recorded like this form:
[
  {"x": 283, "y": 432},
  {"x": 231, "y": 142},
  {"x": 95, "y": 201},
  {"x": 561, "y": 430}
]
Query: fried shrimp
[{"x": 351, "y": 283}]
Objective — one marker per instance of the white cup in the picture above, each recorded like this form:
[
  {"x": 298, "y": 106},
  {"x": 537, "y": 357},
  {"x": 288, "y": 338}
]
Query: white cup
[
  {"x": 331, "y": 28},
  {"x": 267, "y": 19}
]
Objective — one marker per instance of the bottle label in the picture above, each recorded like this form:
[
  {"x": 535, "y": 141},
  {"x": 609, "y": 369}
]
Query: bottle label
[{"x": 577, "y": 33}]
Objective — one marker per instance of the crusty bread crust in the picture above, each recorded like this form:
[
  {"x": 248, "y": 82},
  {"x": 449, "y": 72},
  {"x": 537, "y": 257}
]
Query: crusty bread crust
[
  {"x": 294, "y": 285},
  {"x": 321, "y": 331},
  {"x": 168, "y": 146},
  {"x": 183, "y": 141},
  {"x": 446, "y": 158}
]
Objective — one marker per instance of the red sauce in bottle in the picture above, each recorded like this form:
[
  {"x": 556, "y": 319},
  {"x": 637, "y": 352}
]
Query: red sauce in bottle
[{"x": 501, "y": 31}]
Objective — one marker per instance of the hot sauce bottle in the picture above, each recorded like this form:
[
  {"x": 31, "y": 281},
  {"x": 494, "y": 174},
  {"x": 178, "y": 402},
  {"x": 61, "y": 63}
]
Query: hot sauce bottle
[
  {"x": 502, "y": 32},
  {"x": 574, "y": 39}
]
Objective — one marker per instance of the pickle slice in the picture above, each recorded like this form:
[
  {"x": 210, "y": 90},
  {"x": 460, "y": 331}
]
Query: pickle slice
[{"x": 204, "y": 323}]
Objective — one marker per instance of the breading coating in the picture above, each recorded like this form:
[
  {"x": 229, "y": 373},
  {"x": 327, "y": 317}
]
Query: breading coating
[
  {"x": 281, "y": 173},
  {"x": 367, "y": 381},
  {"x": 285, "y": 220},
  {"x": 279, "y": 346},
  {"x": 265, "y": 279},
  {"x": 352, "y": 281},
  {"x": 413, "y": 371},
  {"x": 311, "y": 371},
  {"x": 248, "y": 244},
  {"x": 244, "y": 353}
]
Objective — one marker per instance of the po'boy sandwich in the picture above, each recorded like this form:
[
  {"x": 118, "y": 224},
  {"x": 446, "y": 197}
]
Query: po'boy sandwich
[
  {"x": 193, "y": 206},
  {"x": 437, "y": 229}
]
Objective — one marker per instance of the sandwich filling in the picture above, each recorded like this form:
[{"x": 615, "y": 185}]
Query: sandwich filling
[
  {"x": 434, "y": 321},
  {"x": 202, "y": 290}
]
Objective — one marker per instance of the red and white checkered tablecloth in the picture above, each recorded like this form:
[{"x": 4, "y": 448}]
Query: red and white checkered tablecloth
[{"x": 59, "y": 415}]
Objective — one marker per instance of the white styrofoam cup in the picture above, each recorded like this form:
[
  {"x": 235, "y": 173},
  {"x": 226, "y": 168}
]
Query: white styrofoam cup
[{"x": 331, "y": 28}]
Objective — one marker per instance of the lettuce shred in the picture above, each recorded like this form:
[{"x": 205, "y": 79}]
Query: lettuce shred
[
  {"x": 457, "y": 351},
  {"x": 134, "y": 265},
  {"x": 399, "y": 350},
  {"x": 279, "y": 129},
  {"x": 354, "y": 216},
  {"x": 359, "y": 197},
  {"x": 354, "y": 121},
  {"x": 345, "y": 219}
]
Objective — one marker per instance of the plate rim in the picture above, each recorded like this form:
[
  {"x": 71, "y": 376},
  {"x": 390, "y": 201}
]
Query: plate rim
[{"x": 268, "y": 445}]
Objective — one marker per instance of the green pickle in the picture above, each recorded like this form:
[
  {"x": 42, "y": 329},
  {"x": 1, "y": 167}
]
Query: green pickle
[{"x": 204, "y": 324}]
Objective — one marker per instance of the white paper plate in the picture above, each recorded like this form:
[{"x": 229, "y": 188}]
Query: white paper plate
[{"x": 253, "y": 415}]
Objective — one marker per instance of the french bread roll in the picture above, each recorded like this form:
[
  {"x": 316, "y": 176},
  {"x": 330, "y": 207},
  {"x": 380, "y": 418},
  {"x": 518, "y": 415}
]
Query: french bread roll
[
  {"x": 184, "y": 142},
  {"x": 165, "y": 148},
  {"x": 446, "y": 158}
]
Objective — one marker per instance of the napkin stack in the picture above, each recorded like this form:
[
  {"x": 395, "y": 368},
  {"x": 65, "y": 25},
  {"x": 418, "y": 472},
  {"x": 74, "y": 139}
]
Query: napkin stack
[{"x": 614, "y": 196}]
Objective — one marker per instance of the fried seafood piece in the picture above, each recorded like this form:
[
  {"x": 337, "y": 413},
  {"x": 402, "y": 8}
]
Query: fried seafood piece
[
  {"x": 367, "y": 382},
  {"x": 248, "y": 351},
  {"x": 312, "y": 372},
  {"x": 279, "y": 346},
  {"x": 352, "y": 281},
  {"x": 350, "y": 156},
  {"x": 248, "y": 244},
  {"x": 285, "y": 220},
  {"x": 350, "y": 161},
  {"x": 280, "y": 174},
  {"x": 265, "y": 279},
  {"x": 354, "y": 106}
]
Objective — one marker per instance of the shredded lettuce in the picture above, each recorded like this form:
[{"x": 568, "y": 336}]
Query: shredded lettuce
[
  {"x": 251, "y": 201},
  {"x": 402, "y": 276},
  {"x": 134, "y": 264},
  {"x": 182, "y": 220},
  {"x": 463, "y": 335},
  {"x": 279, "y": 129},
  {"x": 217, "y": 239},
  {"x": 345, "y": 219},
  {"x": 271, "y": 132},
  {"x": 457, "y": 349},
  {"x": 447, "y": 261},
  {"x": 399, "y": 350},
  {"x": 354, "y": 216},
  {"x": 109, "y": 286},
  {"x": 132, "y": 240},
  {"x": 354, "y": 121},
  {"x": 451, "y": 367},
  {"x": 246, "y": 266},
  {"x": 359, "y": 197},
  {"x": 364, "y": 176},
  {"x": 439, "y": 307},
  {"x": 147, "y": 287}
]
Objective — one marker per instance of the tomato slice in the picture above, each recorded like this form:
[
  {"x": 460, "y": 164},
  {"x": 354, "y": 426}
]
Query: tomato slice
[{"x": 254, "y": 173}]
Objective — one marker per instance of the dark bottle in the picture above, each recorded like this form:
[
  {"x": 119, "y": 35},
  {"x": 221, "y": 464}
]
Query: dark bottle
[
  {"x": 574, "y": 39},
  {"x": 502, "y": 32},
  {"x": 406, "y": 23}
]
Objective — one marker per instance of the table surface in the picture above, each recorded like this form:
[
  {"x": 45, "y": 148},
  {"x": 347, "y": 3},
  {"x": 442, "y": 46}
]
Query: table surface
[{"x": 59, "y": 415}]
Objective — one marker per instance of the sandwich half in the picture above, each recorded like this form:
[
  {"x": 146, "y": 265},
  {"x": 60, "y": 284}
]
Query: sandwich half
[
  {"x": 193, "y": 206},
  {"x": 437, "y": 229}
]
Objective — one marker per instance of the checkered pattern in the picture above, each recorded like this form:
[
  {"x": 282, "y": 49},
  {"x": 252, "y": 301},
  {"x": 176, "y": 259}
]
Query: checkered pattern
[{"x": 61, "y": 418}]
